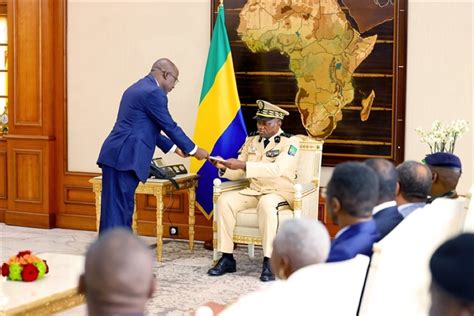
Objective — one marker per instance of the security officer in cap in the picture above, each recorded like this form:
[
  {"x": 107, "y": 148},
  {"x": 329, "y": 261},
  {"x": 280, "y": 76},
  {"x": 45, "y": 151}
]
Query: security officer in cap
[
  {"x": 446, "y": 170},
  {"x": 268, "y": 158}
]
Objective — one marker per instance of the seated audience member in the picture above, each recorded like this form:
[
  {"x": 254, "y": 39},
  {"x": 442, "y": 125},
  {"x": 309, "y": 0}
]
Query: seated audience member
[
  {"x": 414, "y": 186},
  {"x": 118, "y": 277},
  {"x": 299, "y": 245},
  {"x": 268, "y": 159},
  {"x": 452, "y": 284},
  {"x": 446, "y": 170},
  {"x": 351, "y": 195},
  {"x": 385, "y": 213}
]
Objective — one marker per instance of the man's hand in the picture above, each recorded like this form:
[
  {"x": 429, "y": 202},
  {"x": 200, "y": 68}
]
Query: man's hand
[
  {"x": 217, "y": 164},
  {"x": 180, "y": 153},
  {"x": 234, "y": 164},
  {"x": 201, "y": 154}
]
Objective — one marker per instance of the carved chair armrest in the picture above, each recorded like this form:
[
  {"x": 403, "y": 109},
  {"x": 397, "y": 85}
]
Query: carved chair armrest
[
  {"x": 306, "y": 202},
  {"x": 220, "y": 187},
  {"x": 307, "y": 189}
]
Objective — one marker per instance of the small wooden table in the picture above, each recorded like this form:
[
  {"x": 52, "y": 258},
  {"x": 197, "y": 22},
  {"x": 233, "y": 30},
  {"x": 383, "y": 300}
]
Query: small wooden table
[{"x": 159, "y": 188}]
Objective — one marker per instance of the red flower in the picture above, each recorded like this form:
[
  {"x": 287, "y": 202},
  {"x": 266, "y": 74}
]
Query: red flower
[
  {"x": 22, "y": 253},
  {"x": 5, "y": 269},
  {"x": 29, "y": 273},
  {"x": 47, "y": 267}
]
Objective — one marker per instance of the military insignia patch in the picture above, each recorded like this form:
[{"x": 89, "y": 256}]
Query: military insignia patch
[
  {"x": 272, "y": 153},
  {"x": 292, "y": 150}
]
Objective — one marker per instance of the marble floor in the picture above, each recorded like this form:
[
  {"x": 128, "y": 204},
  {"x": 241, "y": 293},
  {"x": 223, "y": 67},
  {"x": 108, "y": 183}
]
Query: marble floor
[{"x": 182, "y": 281}]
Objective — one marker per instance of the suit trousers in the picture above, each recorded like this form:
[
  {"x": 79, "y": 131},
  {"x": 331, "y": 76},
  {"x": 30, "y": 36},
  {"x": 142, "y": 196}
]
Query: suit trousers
[
  {"x": 231, "y": 203},
  {"x": 118, "y": 198}
]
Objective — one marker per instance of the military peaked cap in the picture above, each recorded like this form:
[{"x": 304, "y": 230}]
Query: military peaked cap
[{"x": 267, "y": 111}]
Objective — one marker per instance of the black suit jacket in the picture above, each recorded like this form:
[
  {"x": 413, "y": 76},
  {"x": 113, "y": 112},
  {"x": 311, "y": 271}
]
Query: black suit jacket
[{"x": 387, "y": 219}]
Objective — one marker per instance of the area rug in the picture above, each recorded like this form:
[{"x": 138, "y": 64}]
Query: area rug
[
  {"x": 182, "y": 282},
  {"x": 183, "y": 285}
]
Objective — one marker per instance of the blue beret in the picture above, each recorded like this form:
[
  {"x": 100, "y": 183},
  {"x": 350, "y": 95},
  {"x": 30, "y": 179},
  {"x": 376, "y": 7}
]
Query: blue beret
[
  {"x": 451, "y": 267},
  {"x": 443, "y": 160}
]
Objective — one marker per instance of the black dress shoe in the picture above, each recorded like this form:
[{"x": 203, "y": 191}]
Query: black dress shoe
[
  {"x": 267, "y": 274},
  {"x": 223, "y": 266}
]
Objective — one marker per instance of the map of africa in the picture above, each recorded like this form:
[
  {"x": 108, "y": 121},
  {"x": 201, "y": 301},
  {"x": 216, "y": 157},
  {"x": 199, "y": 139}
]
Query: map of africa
[
  {"x": 324, "y": 51},
  {"x": 337, "y": 66}
]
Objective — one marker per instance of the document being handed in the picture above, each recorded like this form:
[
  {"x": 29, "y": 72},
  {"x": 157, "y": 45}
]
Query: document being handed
[{"x": 218, "y": 159}]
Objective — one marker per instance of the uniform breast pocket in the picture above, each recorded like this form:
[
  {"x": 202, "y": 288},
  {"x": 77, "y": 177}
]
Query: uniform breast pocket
[{"x": 271, "y": 155}]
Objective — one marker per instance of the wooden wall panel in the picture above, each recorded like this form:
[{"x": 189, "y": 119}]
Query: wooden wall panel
[
  {"x": 31, "y": 92},
  {"x": 30, "y": 188},
  {"x": 27, "y": 66},
  {"x": 31, "y": 140},
  {"x": 175, "y": 213},
  {"x": 28, "y": 175},
  {"x": 3, "y": 179}
]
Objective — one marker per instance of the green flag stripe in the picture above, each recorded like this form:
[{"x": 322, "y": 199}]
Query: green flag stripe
[{"x": 218, "y": 52}]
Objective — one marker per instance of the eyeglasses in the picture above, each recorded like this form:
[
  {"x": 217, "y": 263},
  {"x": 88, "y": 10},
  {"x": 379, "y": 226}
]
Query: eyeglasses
[
  {"x": 169, "y": 73},
  {"x": 173, "y": 76}
]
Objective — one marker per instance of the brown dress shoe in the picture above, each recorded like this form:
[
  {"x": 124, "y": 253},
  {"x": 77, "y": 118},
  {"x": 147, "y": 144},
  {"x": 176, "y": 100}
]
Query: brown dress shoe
[{"x": 208, "y": 245}]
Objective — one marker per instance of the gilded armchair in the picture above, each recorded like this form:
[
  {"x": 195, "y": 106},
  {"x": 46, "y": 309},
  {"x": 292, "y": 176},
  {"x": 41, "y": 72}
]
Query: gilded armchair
[{"x": 306, "y": 197}]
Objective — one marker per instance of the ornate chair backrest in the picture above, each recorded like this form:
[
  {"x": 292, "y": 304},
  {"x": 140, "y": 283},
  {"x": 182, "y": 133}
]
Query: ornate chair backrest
[{"x": 309, "y": 162}]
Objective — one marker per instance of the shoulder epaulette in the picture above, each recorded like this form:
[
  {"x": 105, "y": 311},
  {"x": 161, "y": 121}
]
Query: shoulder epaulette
[
  {"x": 287, "y": 135},
  {"x": 254, "y": 133}
]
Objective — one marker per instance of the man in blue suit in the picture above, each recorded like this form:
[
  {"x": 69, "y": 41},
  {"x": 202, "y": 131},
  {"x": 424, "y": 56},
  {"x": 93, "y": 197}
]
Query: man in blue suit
[
  {"x": 350, "y": 196},
  {"x": 385, "y": 213},
  {"x": 127, "y": 152},
  {"x": 414, "y": 182}
]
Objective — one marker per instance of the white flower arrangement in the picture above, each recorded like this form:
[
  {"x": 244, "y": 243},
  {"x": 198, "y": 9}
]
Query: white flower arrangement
[{"x": 442, "y": 138}]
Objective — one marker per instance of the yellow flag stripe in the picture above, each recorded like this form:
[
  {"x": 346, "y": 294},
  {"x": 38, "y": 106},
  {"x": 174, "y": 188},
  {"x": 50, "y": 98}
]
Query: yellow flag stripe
[{"x": 217, "y": 110}]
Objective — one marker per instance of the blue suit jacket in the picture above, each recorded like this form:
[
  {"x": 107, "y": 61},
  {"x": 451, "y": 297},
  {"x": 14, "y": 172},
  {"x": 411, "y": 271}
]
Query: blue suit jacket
[
  {"x": 142, "y": 115},
  {"x": 387, "y": 219},
  {"x": 357, "y": 239}
]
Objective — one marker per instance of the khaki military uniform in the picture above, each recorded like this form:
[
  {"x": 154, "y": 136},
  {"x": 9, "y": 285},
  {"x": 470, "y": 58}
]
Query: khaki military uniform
[{"x": 271, "y": 171}]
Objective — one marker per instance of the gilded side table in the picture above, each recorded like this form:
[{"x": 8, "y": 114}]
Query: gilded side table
[{"x": 159, "y": 188}]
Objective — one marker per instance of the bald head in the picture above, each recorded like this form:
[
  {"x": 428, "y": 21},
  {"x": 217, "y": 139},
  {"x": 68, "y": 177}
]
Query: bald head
[
  {"x": 299, "y": 243},
  {"x": 414, "y": 179},
  {"x": 166, "y": 74},
  {"x": 164, "y": 64},
  {"x": 118, "y": 276}
]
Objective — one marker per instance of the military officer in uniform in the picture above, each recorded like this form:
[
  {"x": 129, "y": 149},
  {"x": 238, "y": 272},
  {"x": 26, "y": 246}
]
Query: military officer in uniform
[
  {"x": 446, "y": 169},
  {"x": 269, "y": 160}
]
